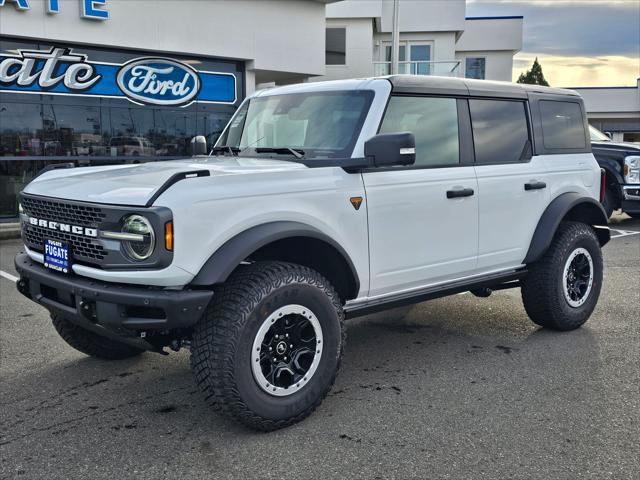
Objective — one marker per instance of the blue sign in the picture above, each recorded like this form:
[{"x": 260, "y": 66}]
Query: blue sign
[
  {"x": 56, "y": 255},
  {"x": 90, "y": 9},
  {"x": 147, "y": 80}
]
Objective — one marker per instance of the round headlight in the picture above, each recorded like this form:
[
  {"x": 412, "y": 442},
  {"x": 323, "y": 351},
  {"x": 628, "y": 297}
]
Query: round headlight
[{"x": 142, "y": 246}]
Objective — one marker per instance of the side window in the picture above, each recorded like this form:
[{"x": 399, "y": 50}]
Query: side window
[
  {"x": 433, "y": 121},
  {"x": 500, "y": 131},
  {"x": 562, "y": 125}
]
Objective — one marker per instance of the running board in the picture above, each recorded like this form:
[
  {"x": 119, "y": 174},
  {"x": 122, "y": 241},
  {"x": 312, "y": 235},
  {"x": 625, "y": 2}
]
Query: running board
[{"x": 498, "y": 281}]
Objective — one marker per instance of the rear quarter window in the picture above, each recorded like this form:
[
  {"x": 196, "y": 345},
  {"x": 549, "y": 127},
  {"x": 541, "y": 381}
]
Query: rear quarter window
[{"x": 562, "y": 125}]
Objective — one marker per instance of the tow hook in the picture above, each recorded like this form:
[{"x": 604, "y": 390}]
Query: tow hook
[
  {"x": 23, "y": 287},
  {"x": 88, "y": 310}
]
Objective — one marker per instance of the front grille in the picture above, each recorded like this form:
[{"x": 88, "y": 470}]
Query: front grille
[
  {"x": 82, "y": 215},
  {"x": 83, "y": 249}
]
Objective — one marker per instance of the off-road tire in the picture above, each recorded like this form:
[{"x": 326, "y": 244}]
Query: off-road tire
[
  {"x": 542, "y": 288},
  {"x": 91, "y": 344},
  {"x": 222, "y": 342}
]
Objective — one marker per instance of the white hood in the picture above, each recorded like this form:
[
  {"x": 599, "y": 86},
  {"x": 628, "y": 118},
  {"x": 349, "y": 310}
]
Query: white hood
[{"x": 136, "y": 184}]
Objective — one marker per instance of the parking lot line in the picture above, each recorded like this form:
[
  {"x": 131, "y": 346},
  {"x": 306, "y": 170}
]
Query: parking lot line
[
  {"x": 623, "y": 233},
  {"x": 8, "y": 276}
]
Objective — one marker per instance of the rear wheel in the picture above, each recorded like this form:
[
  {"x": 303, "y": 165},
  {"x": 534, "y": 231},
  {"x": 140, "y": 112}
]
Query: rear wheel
[
  {"x": 269, "y": 346},
  {"x": 91, "y": 344},
  {"x": 562, "y": 289}
]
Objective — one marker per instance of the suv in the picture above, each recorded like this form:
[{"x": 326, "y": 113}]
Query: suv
[
  {"x": 320, "y": 202},
  {"x": 132, "y": 146},
  {"x": 621, "y": 163}
]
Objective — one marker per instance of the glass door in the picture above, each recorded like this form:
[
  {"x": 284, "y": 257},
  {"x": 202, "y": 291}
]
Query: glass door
[{"x": 415, "y": 63}]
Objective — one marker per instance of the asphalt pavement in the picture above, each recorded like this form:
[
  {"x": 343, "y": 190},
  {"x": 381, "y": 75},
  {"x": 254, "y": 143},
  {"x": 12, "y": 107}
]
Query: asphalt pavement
[{"x": 455, "y": 388}]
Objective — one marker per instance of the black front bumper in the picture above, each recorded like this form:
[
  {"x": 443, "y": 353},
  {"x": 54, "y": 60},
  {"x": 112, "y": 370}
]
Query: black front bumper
[
  {"x": 631, "y": 198},
  {"x": 123, "y": 310}
]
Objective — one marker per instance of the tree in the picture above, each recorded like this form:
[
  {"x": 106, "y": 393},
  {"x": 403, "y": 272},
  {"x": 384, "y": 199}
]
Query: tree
[{"x": 534, "y": 76}]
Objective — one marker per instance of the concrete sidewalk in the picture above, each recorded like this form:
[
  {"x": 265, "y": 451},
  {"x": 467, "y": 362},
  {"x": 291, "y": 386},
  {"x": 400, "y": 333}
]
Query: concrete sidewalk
[{"x": 9, "y": 230}]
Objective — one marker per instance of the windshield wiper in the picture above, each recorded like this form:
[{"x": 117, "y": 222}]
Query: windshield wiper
[
  {"x": 296, "y": 152},
  {"x": 225, "y": 149}
]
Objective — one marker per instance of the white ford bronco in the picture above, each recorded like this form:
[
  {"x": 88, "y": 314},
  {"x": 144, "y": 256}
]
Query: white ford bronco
[{"x": 320, "y": 202}]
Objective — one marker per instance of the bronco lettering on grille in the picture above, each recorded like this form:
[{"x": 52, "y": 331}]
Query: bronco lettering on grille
[{"x": 64, "y": 227}]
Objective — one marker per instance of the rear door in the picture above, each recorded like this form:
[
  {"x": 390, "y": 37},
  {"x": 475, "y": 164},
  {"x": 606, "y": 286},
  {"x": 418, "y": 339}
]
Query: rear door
[
  {"x": 423, "y": 219},
  {"x": 512, "y": 184}
]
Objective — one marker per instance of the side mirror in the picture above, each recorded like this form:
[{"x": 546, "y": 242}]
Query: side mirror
[
  {"x": 608, "y": 134},
  {"x": 198, "y": 145},
  {"x": 389, "y": 149}
]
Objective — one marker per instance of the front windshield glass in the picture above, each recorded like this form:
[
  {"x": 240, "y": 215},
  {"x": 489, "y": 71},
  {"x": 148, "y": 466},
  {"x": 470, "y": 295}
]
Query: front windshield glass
[
  {"x": 320, "y": 124},
  {"x": 597, "y": 135}
]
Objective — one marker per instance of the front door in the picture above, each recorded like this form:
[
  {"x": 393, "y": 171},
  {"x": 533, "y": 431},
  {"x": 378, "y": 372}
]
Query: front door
[{"x": 423, "y": 219}]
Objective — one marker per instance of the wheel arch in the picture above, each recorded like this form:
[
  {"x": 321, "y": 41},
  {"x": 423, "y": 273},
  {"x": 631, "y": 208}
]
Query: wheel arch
[
  {"x": 284, "y": 241},
  {"x": 568, "y": 206},
  {"x": 614, "y": 181}
]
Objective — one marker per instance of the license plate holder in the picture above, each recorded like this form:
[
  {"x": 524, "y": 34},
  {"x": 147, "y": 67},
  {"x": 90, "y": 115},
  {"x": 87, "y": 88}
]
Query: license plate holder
[{"x": 57, "y": 255}]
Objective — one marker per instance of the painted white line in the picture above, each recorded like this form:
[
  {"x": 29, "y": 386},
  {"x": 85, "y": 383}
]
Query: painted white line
[
  {"x": 623, "y": 233},
  {"x": 8, "y": 276}
]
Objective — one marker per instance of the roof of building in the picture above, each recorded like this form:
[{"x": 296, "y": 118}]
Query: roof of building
[{"x": 507, "y": 17}]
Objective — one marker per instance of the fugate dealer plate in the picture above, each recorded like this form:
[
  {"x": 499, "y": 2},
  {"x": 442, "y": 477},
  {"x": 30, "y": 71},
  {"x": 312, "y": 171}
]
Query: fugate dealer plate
[{"x": 56, "y": 256}]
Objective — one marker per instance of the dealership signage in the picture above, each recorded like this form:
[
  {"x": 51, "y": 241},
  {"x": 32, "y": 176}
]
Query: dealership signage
[
  {"x": 89, "y": 9},
  {"x": 146, "y": 80}
]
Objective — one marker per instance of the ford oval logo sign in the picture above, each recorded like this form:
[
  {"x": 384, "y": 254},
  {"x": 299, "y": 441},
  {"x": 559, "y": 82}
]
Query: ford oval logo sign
[{"x": 158, "y": 81}]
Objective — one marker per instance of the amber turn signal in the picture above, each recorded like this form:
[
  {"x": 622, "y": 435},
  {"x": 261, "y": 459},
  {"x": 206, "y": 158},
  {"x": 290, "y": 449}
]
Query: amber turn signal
[
  {"x": 168, "y": 236},
  {"x": 356, "y": 202}
]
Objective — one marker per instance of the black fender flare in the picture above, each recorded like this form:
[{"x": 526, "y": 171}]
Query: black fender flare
[
  {"x": 226, "y": 258},
  {"x": 591, "y": 212},
  {"x": 610, "y": 168}
]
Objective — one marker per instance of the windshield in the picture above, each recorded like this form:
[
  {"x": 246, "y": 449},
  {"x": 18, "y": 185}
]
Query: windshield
[
  {"x": 317, "y": 124},
  {"x": 597, "y": 135}
]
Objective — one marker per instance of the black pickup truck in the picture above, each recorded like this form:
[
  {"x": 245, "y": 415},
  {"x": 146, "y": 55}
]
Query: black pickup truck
[{"x": 621, "y": 162}]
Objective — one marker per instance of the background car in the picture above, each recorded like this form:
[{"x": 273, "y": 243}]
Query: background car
[{"x": 621, "y": 162}]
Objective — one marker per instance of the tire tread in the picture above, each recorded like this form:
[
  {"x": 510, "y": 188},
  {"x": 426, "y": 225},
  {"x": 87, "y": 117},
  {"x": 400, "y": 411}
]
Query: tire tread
[{"x": 216, "y": 336}]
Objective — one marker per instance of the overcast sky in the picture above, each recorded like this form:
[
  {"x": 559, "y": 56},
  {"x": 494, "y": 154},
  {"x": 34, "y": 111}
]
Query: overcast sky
[{"x": 578, "y": 42}]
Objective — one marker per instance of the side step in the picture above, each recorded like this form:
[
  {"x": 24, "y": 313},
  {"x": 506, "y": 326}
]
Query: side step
[{"x": 500, "y": 281}]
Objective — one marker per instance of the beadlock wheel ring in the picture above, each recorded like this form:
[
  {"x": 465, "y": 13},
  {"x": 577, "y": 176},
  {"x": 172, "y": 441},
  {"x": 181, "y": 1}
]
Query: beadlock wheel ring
[
  {"x": 577, "y": 277},
  {"x": 287, "y": 350}
]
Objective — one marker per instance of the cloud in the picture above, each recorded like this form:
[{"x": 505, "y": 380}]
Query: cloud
[
  {"x": 572, "y": 27},
  {"x": 579, "y": 42},
  {"x": 563, "y": 71}
]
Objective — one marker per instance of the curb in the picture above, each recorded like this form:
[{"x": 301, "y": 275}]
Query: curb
[{"x": 9, "y": 231}]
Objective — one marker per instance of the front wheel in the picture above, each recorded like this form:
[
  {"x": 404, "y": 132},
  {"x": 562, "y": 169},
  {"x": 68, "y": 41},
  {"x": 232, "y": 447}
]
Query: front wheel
[
  {"x": 268, "y": 349},
  {"x": 561, "y": 290}
]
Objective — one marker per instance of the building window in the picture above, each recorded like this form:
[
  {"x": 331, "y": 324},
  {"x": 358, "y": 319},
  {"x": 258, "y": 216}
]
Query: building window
[
  {"x": 475, "y": 67},
  {"x": 500, "y": 131},
  {"x": 336, "y": 46}
]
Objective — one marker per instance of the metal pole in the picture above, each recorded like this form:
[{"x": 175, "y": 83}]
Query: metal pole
[{"x": 395, "y": 38}]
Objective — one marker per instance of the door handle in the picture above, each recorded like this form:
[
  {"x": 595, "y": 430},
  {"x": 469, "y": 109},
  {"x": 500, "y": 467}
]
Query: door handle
[
  {"x": 535, "y": 185},
  {"x": 461, "y": 192}
]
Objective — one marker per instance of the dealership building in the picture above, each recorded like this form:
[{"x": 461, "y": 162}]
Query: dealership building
[
  {"x": 113, "y": 81},
  {"x": 614, "y": 110}
]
